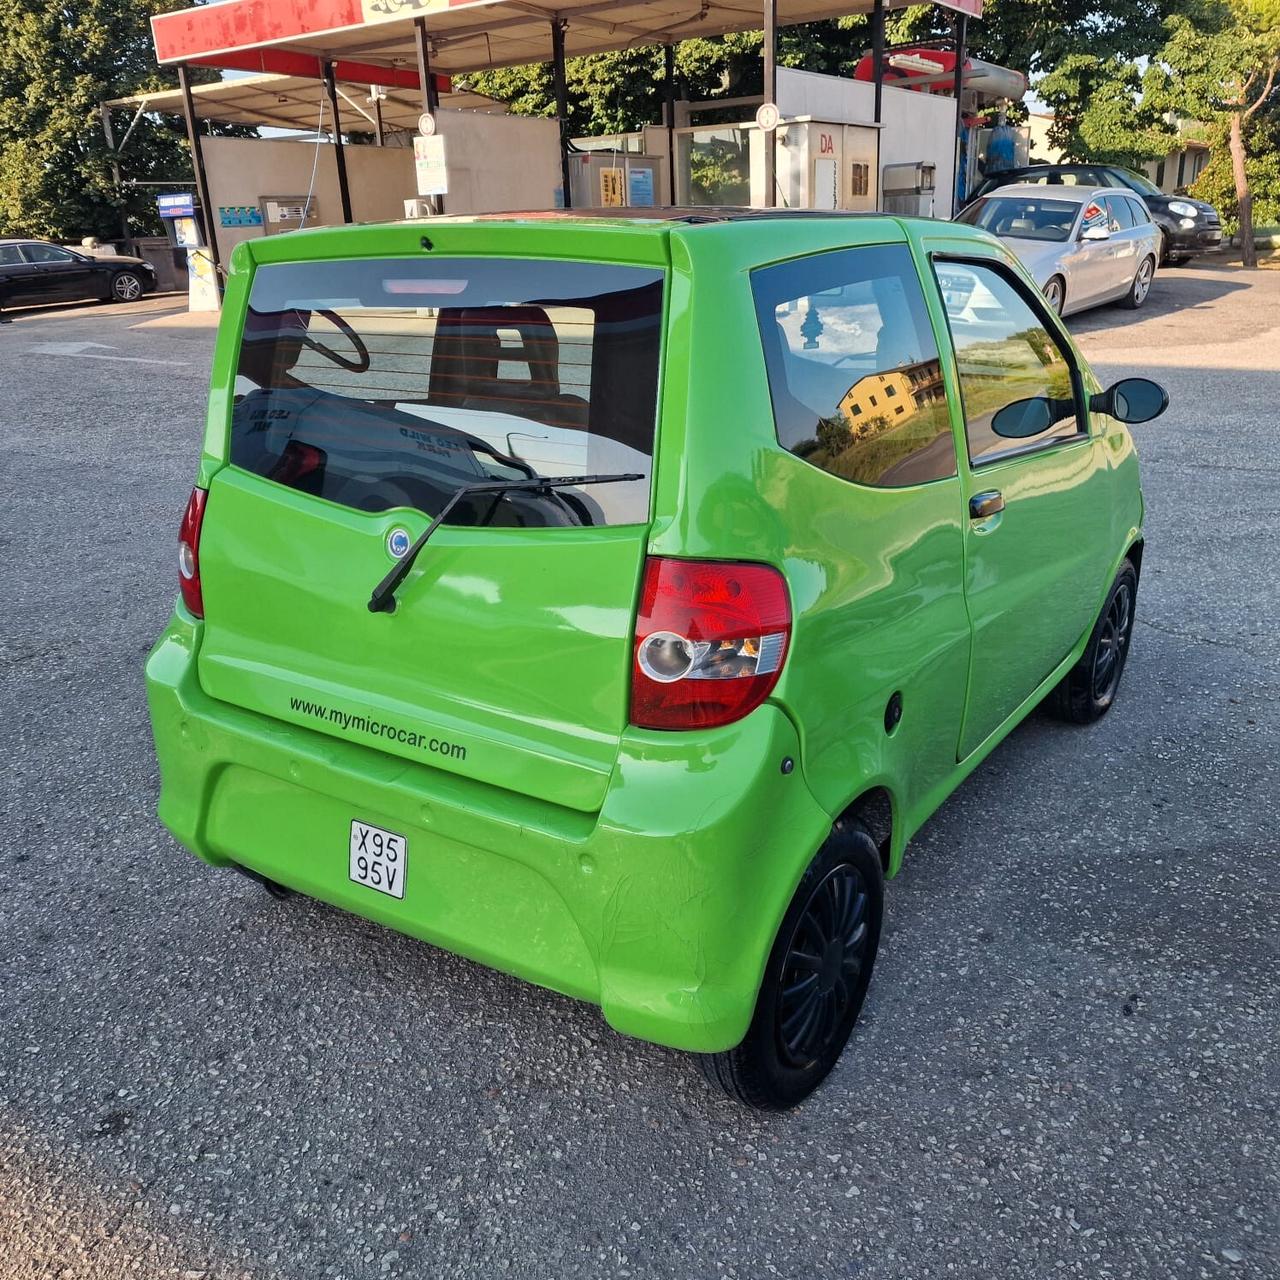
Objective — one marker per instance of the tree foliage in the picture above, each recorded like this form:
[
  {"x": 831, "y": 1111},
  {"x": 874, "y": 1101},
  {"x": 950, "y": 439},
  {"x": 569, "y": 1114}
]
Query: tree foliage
[
  {"x": 1221, "y": 64},
  {"x": 58, "y": 61},
  {"x": 1102, "y": 111}
]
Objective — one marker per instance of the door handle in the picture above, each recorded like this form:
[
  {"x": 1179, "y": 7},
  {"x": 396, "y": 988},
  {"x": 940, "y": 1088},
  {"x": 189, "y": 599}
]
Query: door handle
[{"x": 982, "y": 506}]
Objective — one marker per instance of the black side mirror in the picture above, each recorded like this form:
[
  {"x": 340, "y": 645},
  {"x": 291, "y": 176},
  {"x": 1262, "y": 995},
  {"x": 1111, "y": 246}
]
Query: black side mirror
[
  {"x": 1131, "y": 400},
  {"x": 1022, "y": 418}
]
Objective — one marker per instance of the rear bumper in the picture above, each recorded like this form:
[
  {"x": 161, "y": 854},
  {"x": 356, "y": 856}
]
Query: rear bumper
[{"x": 661, "y": 909}]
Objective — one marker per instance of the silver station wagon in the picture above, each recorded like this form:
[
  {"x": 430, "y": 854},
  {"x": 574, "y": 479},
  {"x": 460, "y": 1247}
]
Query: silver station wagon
[{"x": 1082, "y": 245}]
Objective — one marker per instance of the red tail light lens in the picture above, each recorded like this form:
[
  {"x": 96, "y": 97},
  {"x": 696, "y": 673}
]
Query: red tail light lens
[
  {"x": 189, "y": 552},
  {"x": 711, "y": 638}
]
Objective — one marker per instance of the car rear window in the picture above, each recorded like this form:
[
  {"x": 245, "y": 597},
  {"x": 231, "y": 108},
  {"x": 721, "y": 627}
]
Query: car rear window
[
  {"x": 1022, "y": 217},
  {"x": 380, "y": 383}
]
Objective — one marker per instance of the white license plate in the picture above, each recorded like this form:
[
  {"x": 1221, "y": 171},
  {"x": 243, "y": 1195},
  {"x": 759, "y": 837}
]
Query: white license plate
[{"x": 378, "y": 859}]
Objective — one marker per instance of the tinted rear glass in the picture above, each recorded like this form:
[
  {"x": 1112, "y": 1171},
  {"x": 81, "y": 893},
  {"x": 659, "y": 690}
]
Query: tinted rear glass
[
  {"x": 1023, "y": 217},
  {"x": 394, "y": 382}
]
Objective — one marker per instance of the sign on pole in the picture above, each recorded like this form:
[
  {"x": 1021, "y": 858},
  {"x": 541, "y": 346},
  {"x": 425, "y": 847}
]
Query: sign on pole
[{"x": 429, "y": 166}]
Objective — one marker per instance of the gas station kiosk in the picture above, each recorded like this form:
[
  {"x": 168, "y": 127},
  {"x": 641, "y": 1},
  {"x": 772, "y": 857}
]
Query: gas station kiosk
[{"x": 372, "y": 119}]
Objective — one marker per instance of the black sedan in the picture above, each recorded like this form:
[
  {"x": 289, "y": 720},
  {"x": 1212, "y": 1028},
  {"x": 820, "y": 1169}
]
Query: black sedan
[
  {"x": 32, "y": 271},
  {"x": 1189, "y": 226}
]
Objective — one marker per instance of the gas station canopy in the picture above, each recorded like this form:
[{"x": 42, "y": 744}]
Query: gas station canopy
[
  {"x": 289, "y": 102},
  {"x": 464, "y": 35}
]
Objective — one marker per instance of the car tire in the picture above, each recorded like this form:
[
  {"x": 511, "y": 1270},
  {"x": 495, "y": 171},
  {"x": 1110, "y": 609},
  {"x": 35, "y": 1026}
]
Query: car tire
[
  {"x": 1141, "y": 285},
  {"x": 1089, "y": 688},
  {"x": 815, "y": 981},
  {"x": 127, "y": 286},
  {"x": 1177, "y": 262},
  {"x": 1055, "y": 293}
]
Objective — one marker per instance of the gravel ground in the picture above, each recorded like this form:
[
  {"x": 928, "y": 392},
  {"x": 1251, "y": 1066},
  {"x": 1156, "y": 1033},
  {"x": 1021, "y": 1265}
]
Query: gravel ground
[{"x": 1067, "y": 1065}]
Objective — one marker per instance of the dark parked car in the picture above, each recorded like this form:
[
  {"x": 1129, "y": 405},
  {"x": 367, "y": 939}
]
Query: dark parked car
[
  {"x": 1189, "y": 226},
  {"x": 32, "y": 271}
]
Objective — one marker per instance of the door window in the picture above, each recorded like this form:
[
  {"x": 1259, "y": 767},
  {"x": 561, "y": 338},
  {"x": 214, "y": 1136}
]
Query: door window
[
  {"x": 1005, "y": 354},
  {"x": 47, "y": 253},
  {"x": 1141, "y": 217},
  {"x": 853, "y": 367},
  {"x": 1119, "y": 214},
  {"x": 9, "y": 256}
]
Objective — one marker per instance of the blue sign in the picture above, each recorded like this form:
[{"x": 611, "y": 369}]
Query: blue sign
[
  {"x": 239, "y": 215},
  {"x": 182, "y": 205},
  {"x": 640, "y": 188}
]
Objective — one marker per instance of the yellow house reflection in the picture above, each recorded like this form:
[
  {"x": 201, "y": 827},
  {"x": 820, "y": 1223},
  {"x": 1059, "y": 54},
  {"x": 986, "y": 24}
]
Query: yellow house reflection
[{"x": 896, "y": 394}]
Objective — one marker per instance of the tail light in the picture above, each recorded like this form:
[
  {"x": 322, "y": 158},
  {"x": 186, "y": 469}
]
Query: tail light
[
  {"x": 711, "y": 638},
  {"x": 189, "y": 552}
]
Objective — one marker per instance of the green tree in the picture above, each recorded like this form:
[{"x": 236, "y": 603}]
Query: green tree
[
  {"x": 58, "y": 61},
  {"x": 1103, "y": 111},
  {"x": 615, "y": 92},
  {"x": 1217, "y": 183},
  {"x": 1222, "y": 61},
  {"x": 619, "y": 92}
]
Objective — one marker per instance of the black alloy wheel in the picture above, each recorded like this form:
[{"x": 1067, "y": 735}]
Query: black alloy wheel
[
  {"x": 1087, "y": 691},
  {"x": 815, "y": 981},
  {"x": 822, "y": 968},
  {"x": 1113, "y": 642}
]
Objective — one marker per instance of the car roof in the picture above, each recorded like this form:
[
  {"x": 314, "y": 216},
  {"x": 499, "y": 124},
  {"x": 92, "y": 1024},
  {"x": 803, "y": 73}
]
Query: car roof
[
  {"x": 1055, "y": 191},
  {"x": 689, "y": 215}
]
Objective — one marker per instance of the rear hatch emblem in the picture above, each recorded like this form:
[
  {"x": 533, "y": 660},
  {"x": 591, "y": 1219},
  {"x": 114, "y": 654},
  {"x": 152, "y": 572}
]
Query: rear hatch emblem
[{"x": 398, "y": 542}]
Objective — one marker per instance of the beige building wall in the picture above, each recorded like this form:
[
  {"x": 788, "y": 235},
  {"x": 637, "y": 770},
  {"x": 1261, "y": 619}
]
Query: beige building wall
[
  {"x": 1179, "y": 169},
  {"x": 1041, "y": 149},
  {"x": 242, "y": 171},
  {"x": 495, "y": 162}
]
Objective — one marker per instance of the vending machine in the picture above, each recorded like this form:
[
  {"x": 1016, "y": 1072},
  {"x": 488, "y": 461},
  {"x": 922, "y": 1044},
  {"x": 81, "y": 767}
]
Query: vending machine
[{"x": 185, "y": 228}]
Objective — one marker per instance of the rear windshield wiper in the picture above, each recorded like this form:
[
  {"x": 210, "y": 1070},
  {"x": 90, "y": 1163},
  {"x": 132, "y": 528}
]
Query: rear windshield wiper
[{"x": 383, "y": 599}]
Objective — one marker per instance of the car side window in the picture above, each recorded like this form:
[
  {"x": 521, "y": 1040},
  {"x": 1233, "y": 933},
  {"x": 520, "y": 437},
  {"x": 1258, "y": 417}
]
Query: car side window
[
  {"x": 9, "y": 256},
  {"x": 46, "y": 253},
  {"x": 1141, "y": 217},
  {"x": 1119, "y": 214},
  {"x": 1005, "y": 355},
  {"x": 1095, "y": 215},
  {"x": 853, "y": 369}
]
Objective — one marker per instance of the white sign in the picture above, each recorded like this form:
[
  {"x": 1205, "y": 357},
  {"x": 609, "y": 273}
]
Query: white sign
[
  {"x": 429, "y": 166},
  {"x": 914, "y": 62},
  {"x": 426, "y": 124},
  {"x": 767, "y": 116}
]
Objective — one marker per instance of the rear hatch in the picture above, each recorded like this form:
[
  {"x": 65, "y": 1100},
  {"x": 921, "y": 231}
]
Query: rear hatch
[{"x": 367, "y": 392}]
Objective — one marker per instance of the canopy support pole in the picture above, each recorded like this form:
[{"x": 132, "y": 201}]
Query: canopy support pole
[
  {"x": 877, "y": 54},
  {"x": 427, "y": 85},
  {"x": 562, "y": 101},
  {"x": 770, "y": 95},
  {"x": 377, "y": 114},
  {"x": 202, "y": 179},
  {"x": 339, "y": 154},
  {"x": 669, "y": 112},
  {"x": 962, "y": 31}
]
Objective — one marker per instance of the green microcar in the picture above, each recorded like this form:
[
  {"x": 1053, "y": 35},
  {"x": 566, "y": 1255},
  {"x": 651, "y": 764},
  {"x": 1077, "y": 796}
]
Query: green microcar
[{"x": 609, "y": 599}]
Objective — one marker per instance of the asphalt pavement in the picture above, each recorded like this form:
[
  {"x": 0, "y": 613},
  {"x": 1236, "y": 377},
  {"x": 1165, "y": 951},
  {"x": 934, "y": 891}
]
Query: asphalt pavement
[{"x": 1067, "y": 1066}]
